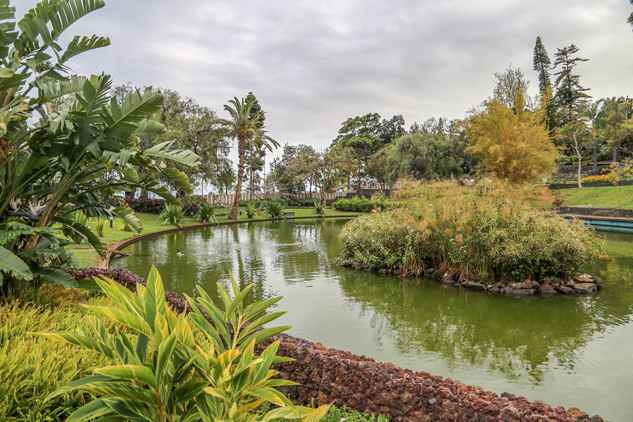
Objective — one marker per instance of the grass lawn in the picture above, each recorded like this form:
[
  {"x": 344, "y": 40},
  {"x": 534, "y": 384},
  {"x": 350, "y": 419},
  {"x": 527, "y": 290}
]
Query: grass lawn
[
  {"x": 151, "y": 224},
  {"x": 607, "y": 196}
]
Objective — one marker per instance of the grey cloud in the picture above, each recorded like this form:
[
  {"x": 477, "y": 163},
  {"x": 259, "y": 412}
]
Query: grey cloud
[{"x": 314, "y": 64}]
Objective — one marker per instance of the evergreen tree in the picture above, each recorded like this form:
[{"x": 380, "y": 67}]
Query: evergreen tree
[
  {"x": 569, "y": 93},
  {"x": 630, "y": 20},
  {"x": 508, "y": 84},
  {"x": 542, "y": 65}
]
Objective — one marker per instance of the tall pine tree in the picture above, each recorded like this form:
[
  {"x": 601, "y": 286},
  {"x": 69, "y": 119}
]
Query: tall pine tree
[
  {"x": 569, "y": 93},
  {"x": 542, "y": 65}
]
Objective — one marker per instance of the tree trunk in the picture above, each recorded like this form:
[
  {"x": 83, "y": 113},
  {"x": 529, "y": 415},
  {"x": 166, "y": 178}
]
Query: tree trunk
[
  {"x": 577, "y": 150},
  {"x": 595, "y": 157},
  {"x": 323, "y": 196},
  {"x": 240, "y": 177},
  {"x": 252, "y": 180}
]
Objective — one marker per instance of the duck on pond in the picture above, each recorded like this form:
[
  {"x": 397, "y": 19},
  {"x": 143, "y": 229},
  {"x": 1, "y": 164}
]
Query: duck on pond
[{"x": 179, "y": 253}]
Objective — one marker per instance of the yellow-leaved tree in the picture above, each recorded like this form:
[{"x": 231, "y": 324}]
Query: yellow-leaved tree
[{"x": 513, "y": 143}]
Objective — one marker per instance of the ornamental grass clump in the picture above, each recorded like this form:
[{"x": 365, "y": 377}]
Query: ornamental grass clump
[
  {"x": 274, "y": 209},
  {"x": 490, "y": 231},
  {"x": 174, "y": 215},
  {"x": 206, "y": 213}
]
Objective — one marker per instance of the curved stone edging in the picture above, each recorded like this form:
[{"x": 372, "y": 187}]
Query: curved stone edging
[
  {"x": 329, "y": 375},
  {"x": 581, "y": 283},
  {"x": 104, "y": 263}
]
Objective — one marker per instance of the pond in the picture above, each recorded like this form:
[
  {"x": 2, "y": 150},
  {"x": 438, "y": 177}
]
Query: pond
[{"x": 570, "y": 351}]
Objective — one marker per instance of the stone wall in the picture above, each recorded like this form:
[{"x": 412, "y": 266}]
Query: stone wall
[
  {"x": 334, "y": 376},
  {"x": 570, "y": 172},
  {"x": 597, "y": 212}
]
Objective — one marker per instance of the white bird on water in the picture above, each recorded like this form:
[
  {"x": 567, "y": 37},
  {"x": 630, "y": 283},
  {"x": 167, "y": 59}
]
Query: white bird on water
[{"x": 179, "y": 253}]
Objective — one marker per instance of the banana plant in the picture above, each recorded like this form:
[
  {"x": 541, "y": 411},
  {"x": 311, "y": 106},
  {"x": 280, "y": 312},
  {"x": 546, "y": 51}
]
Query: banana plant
[
  {"x": 180, "y": 368},
  {"x": 81, "y": 155}
]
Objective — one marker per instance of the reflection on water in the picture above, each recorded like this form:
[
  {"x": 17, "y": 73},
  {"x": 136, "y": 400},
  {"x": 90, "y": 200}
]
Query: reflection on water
[{"x": 564, "y": 350}]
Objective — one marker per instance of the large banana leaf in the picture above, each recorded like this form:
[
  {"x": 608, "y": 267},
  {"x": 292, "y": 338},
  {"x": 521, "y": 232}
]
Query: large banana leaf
[
  {"x": 60, "y": 14},
  {"x": 49, "y": 275},
  {"x": 82, "y": 44},
  {"x": 164, "y": 151},
  {"x": 84, "y": 231},
  {"x": 126, "y": 214},
  {"x": 13, "y": 265},
  {"x": 51, "y": 90},
  {"x": 123, "y": 121}
]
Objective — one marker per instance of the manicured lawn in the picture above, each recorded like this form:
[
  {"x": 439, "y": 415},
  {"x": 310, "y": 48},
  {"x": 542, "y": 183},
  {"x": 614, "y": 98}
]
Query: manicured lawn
[
  {"x": 151, "y": 224},
  {"x": 607, "y": 196}
]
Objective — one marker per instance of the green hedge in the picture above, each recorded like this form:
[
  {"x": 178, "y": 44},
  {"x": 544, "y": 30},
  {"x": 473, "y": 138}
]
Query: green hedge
[{"x": 357, "y": 204}]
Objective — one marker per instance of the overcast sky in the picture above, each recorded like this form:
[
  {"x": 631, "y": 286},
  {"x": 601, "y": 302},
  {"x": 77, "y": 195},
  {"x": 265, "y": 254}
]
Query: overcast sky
[{"x": 313, "y": 64}]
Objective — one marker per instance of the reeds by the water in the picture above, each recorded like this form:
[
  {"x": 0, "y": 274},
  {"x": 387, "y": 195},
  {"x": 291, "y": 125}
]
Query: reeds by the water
[{"x": 487, "y": 231}]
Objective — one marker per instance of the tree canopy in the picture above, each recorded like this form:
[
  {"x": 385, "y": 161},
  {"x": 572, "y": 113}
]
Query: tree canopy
[
  {"x": 423, "y": 156},
  {"x": 513, "y": 144}
]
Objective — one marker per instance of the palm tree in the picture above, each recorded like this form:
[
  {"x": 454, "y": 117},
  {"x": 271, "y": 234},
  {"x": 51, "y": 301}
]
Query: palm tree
[{"x": 245, "y": 129}]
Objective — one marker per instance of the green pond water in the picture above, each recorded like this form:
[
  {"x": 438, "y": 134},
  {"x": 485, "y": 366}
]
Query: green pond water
[{"x": 570, "y": 351}]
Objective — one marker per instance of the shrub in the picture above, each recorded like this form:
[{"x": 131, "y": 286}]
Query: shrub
[
  {"x": 357, "y": 204},
  {"x": 190, "y": 205},
  {"x": 318, "y": 208},
  {"x": 274, "y": 209},
  {"x": 620, "y": 170},
  {"x": 206, "y": 212},
  {"x": 174, "y": 215},
  {"x": 490, "y": 231},
  {"x": 250, "y": 210},
  {"x": 97, "y": 227},
  {"x": 31, "y": 368},
  {"x": 202, "y": 371}
]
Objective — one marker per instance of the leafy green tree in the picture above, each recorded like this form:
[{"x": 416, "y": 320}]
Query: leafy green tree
[
  {"x": 630, "y": 19},
  {"x": 507, "y": 85},
  {"x": 513, "y": 144},
  {"x": 244, "y": 128},
  {"x": 316, "y": 165},
  {"x": 542, "y": 65},
  {"x": 578, "y": 134},
  {"x": 615, "y": 113},
  {"x": 191, "y": 127},
  {"x": 423, "y": 156},
  {"x": 364, "y": 135},
  {"x": 570, "y": 94},
  {"x": 281, "y": 174},
  {"x": 596, "y": 122},
  {"x": 377, "y": 165},
  {"x": 82, "y": 151}
]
